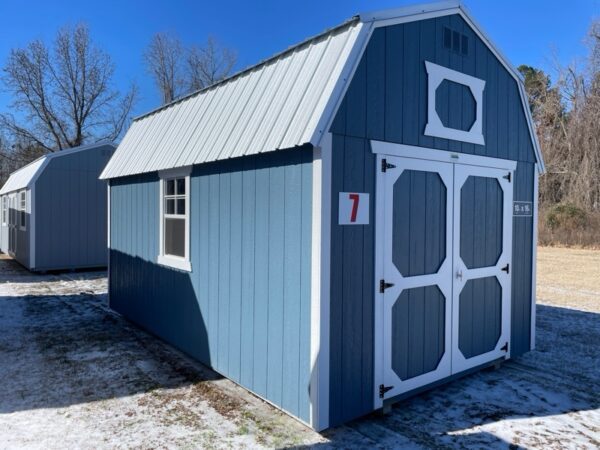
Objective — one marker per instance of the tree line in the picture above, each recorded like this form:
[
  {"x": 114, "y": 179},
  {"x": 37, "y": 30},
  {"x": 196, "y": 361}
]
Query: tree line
[
  {"x": 64, "y": 94},
  {"x": 566, "y": 111}
]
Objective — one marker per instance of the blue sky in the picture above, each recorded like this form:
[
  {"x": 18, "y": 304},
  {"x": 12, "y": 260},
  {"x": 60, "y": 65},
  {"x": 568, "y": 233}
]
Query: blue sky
[{"x": 526, "y": 31}]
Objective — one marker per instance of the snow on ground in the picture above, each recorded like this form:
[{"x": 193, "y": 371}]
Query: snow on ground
[{"x": 76, "y": 375}]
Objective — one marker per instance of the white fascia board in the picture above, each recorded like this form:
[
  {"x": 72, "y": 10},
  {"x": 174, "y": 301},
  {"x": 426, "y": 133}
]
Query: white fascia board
[
  {"x": 339, "y": 91},
  {"x": 407, "y": 11}
]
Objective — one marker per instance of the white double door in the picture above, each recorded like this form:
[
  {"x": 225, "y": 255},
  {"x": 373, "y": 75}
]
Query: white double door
[{"x": 445, "y": 270}]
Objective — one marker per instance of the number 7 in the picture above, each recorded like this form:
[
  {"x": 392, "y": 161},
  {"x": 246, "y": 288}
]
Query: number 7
[{"x": 355, "y": 198}]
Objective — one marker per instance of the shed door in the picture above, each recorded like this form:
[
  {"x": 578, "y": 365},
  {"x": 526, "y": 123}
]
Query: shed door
[
  {"x": 482, "y": 259},
  {"x": 418, "y": 271},
  {"x": 446, "y": 250}
]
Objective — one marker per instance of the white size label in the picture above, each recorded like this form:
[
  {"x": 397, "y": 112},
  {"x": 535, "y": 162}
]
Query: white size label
[{"x": 354, "y": 208}]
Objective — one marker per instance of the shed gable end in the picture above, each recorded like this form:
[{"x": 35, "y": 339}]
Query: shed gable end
[{"x": 388, "y": 96}]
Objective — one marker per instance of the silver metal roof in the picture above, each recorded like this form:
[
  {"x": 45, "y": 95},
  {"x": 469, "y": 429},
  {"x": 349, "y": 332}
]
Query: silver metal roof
[
  {"x": 275, "y": 105},
  {"x": 283, "y": 102},
  {"x": 21, "y": 178},
  {"x": 24, "y": 177}
]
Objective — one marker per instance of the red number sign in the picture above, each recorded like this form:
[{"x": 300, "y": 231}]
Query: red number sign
[{"x": 355, "y": 198}]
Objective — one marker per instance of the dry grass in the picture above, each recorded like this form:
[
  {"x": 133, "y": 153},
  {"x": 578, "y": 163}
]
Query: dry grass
[{"x": 569, "y": 277}]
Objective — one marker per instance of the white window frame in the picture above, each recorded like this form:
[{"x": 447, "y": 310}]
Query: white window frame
[
  {"x": 22, "y": 209},
  {"x": 163, "y": 259},
  {"x": 435, "y": 75},
  {"x": 4, "y": 210}
]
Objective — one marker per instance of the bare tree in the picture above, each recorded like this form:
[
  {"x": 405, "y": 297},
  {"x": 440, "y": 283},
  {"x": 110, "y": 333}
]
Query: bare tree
[
  {"x": 567, "y": 115},
  {"x": 64, "y": 95},
  {"x": 209, "y": 64},
  {"x": 164, "y": 61}
]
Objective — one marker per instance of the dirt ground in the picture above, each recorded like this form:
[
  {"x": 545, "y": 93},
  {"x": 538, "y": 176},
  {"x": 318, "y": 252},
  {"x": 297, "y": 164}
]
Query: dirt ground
[{"x": 76, "y": 375}]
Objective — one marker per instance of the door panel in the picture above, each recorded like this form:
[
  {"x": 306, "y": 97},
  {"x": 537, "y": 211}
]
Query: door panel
[
  {"x": 481, "y": 288},
  {"x": 417, "y": 264}
]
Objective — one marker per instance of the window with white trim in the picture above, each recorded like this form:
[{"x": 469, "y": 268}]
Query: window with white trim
[
  {"x": 174, "y": 220},
  {"x": 22, "y": 208},
  {"x": 4, "y": 210}
]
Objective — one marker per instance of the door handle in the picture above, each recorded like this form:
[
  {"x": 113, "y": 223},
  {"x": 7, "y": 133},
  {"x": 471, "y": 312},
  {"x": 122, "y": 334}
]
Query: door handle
[{"x": 459, "y": 274}]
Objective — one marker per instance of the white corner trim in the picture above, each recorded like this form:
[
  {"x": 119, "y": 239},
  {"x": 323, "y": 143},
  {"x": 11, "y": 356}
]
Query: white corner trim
[
  {"x": 31, "y": 207},
  {"x": 410, "y": 151},
  {"x": 436, "y": 74},
  {"x": 534, "y": 258},
  {"x": 108, "y": 243},
  {"x": 320, "y": 272}
]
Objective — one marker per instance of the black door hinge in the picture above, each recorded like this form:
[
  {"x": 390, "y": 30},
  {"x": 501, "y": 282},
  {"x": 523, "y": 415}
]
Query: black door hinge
[
  {"x": 504, "y": 348},
  {"x": 383, "y": 389},
  {"x": 383, "y": 285},
  {"x": 507, "y": 176},
  {"x": 386, "y": 165},
  {"x": 506, "y": 268}
]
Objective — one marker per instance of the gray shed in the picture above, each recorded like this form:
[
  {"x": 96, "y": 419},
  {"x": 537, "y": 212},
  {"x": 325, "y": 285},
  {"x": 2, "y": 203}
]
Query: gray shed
[{"x": 53, "y": 210}]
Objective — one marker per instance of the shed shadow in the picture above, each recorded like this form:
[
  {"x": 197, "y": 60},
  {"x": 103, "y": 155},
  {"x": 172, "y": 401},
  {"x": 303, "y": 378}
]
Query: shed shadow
[{"x": 62, "y": 350}]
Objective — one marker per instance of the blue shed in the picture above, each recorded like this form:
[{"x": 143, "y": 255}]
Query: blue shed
[
  {"x": 343, "y": 225},
  {"x": 53, "y": 210}
]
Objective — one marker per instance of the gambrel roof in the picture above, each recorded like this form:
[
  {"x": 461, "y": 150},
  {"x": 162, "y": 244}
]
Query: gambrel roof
[
  {"x": 24, "y": 177},
  {"x": 283, "y": 102}
]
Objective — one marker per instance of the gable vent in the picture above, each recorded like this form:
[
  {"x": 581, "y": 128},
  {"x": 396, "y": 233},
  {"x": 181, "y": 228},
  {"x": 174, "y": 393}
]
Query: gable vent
[{"x": 455, "y": 41}]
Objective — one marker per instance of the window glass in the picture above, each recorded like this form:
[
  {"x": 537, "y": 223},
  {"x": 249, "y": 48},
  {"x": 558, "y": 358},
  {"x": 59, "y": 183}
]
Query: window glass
[
  {"x": 170, "y": 206},
  {"x": 180, "y": 186},
  {"x": 175, "y": 237},
  {"x": 180, "y": 206},
  {"x": 170, "y": 187},
  {"x": 23, "y": 208}
]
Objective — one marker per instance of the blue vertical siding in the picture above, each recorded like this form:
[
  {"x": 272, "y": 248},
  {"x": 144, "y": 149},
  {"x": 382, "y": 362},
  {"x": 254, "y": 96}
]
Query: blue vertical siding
[
  {"x": 387, "y": 101},
  {"x": 245, "y": 307},
  {"x": 70, "y": 211}
]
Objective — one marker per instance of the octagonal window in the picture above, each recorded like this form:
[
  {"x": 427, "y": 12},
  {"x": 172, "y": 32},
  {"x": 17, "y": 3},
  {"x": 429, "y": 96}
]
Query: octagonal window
[
  {"x": 418, "y": 331},
  {"x": 481, "y": 205},
  {"x": 455, "y": 105},
  {"x": 480, "y": 316},
  {"x": 419, "y": 223}
]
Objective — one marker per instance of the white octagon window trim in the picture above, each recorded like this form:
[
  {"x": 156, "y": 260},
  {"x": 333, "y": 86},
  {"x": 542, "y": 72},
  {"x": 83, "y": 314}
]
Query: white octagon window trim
[
  {"x": 435, "y": 76},
  {"x": 165, "y": 259}
]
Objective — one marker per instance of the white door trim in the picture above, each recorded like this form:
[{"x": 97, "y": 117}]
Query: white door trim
[
  {"x": 461, "y": 173},
  {"x": 424, "y": 153},
  {"x": 421, "y": 154},
  {"x": 442, "y": 278}
]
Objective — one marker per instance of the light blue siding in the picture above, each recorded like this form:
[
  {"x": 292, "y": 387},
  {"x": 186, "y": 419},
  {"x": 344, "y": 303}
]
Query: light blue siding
[{"x": 245, "y": 307}]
